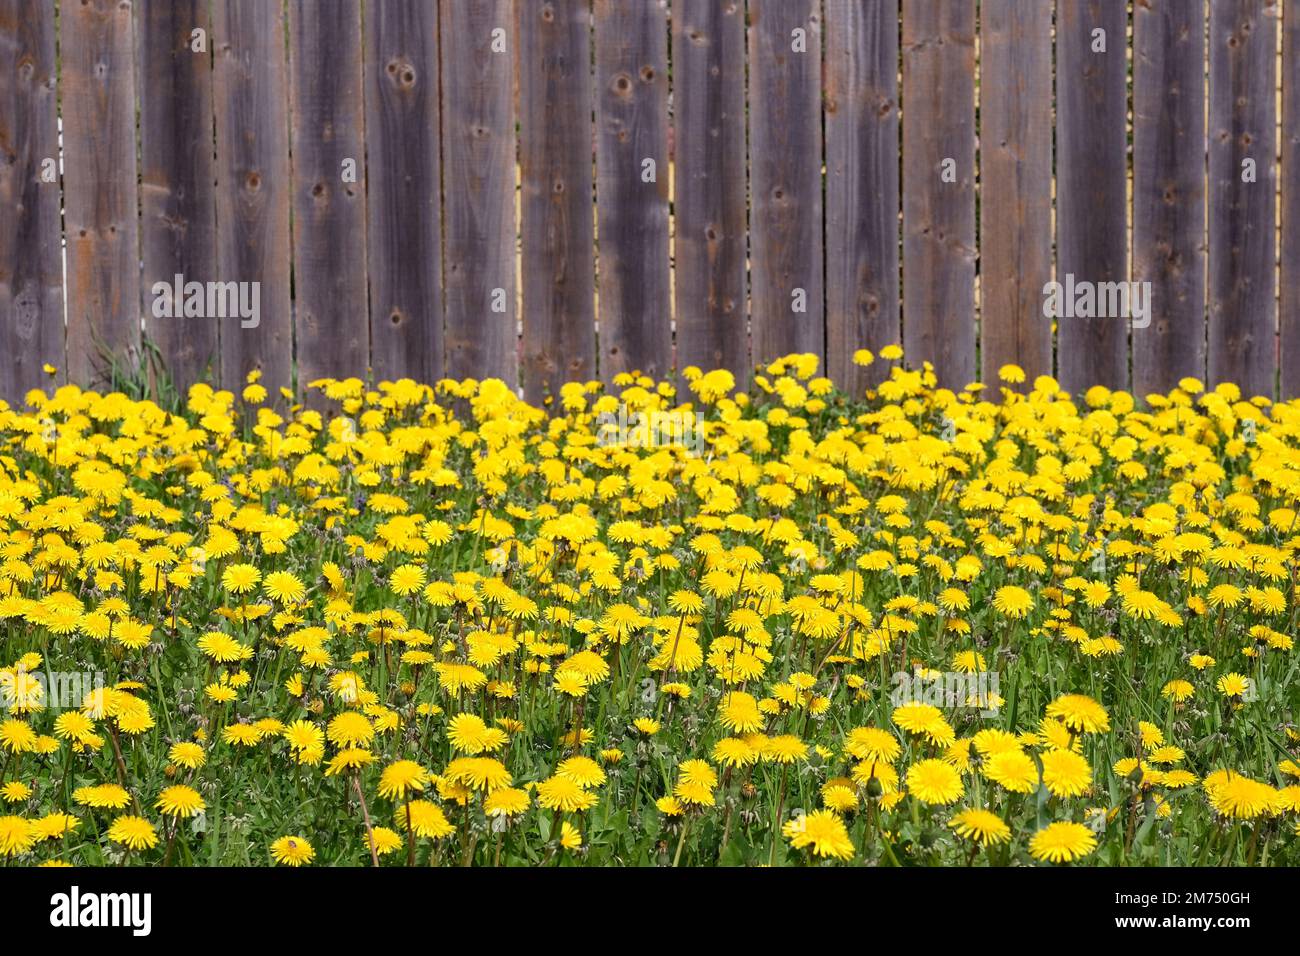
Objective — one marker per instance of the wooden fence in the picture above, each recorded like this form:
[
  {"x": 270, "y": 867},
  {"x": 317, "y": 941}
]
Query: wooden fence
[{"x": 551, "y": 190}]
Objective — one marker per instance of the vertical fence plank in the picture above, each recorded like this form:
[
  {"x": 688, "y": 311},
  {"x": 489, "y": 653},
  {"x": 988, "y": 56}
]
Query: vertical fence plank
[
  {"x": 382, "y": 259},
  {"x": 31, "y": 268},
  {"x": 1091, "y": 170},
  {"x": 98, "y": 63},
  {"x": 178, "y": 214},
  {"x": 861, "y": 187},
  {"x": 250, "y": 93},
  {"x": 1015, "y": 186},
  {"x": 403, "y": 190},
  {"x": 1242, "y": 341},
  {"x": 709, "y": 231},
  {"x": 1169, "y": 192},
  {"x": 478, "y": 144},
  {"x": 329, "y": 239},
  {"x": 939, "y": 187},
  {"x": 785, "y": 158},
  {"x": 555, "y": 103},
  {"x": 632, "y": 223},
  {"x": 1289, "y": 305}
]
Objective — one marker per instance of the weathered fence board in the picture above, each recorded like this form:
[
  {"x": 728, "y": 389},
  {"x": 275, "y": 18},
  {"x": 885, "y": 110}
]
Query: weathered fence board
[
  {"x": 1016, "y": 186},
  {"x": 939, "y": 187},
  {"x": 403, "y": 189},
  {"x": 177, "y": 205},
  {"x": 861, "y": 109},
  {"x": 1091, "y": 184},
  {"x": 708, "y": 183},
  {"x": 555, "y": 104},
  {"x": 329, "y": 190},
  {"x": 1242, "y": 341},
  {"x": 99, "y": 181},
  {"x": 1169, "y": 192},
  {"x": 632, "y": 198},
  {"x": 31, "y": 269},
  {"x": 478, "y": 115},
  {"x": 785, "y": 150},
  {"x": 250, "y": 92},
  {"x": 709, "y": 213},
  {"x": 1289, "y": 302}
]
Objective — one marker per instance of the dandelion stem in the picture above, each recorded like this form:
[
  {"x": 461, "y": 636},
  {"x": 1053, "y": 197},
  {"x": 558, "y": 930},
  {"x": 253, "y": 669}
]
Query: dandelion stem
[
  {"x": 365, "y": 815},
  {"x": 121, "y": 766},
  {"x": 780, "y": 808},
  {"x": 171, "y": 825},
  {"x": 681, "y": 840},
  {"x": 410, "y": 835}
]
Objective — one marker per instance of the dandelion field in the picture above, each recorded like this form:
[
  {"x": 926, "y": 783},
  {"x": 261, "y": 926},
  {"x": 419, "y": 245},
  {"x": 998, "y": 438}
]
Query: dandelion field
[{"x": 433, "y": 625}]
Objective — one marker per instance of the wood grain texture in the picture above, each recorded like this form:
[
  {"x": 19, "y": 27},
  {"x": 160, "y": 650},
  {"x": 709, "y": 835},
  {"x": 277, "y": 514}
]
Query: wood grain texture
[
  {"x": 413, "y": 268},
  {"x": 478, "y": 146},
  {"x": 1091, "y": 186},
  {"x": 1240, "y": 285},
  {"x": 709, "y": 206},
  {"x": 1091, "y": 174},
  {"x": 862, "y": 201},
  {"x": 1289, "y": 301},
  {"x": 31, "y": 267},
  {"x": 403, "y": 190},
  {"x": 632, "y": 214},
  {"x": 329, "y": 214},
  {"x": 97, "y": 53},
  {"x": 1169, "y": 192},
  {"x": 177, "y": 205},
  {"x": 939, "y": 217},
  {"x": 785, "y": 158},
  {"x": 250, "y": 90},
  {"x": 555, "y": 151},
  {"x": 1091, "y": 170},
  {"x": 1015, "y": 186}
]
